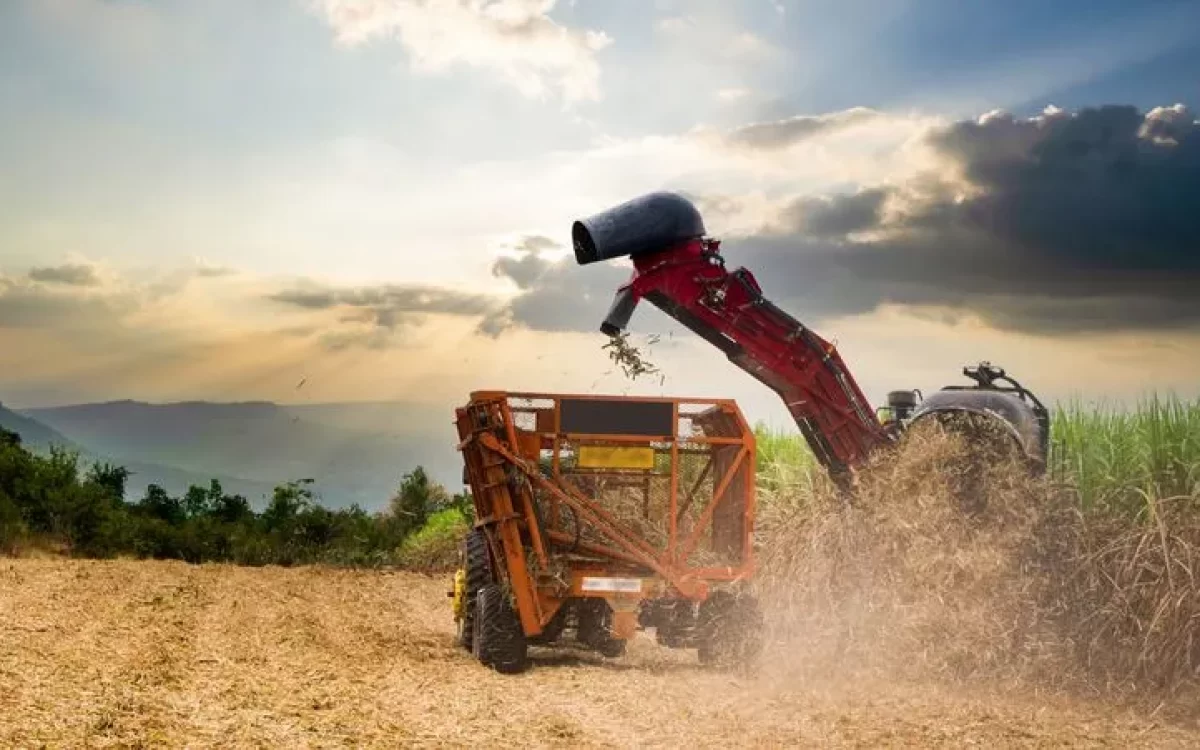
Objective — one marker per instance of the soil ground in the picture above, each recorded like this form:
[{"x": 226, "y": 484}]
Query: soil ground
[{"x": 151, "y": 654}]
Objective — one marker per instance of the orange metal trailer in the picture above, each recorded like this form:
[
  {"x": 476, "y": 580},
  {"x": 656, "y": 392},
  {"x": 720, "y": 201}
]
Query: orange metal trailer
[{"x": 598, "y": 516}]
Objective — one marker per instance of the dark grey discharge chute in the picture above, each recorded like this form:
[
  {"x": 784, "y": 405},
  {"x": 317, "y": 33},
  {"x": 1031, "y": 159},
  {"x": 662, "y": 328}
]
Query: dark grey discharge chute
[{"x": 646, "y": 224}]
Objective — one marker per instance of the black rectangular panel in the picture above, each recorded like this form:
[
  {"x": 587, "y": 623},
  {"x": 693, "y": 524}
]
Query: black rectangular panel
[{"x": 595, "y": 417}]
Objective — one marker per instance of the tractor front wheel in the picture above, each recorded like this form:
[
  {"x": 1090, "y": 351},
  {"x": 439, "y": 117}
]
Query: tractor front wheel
[
  {"x": 474, "y": 559},
  {"x": 498, "y": 640}
]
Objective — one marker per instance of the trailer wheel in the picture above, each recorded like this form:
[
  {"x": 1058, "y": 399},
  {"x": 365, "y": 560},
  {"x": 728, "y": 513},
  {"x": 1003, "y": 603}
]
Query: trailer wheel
[
  {"x": 498, "y": 640},
  {"x": 676, "y": 624},
  {"x": 479, "y": 574},
  {"x": 552, "y": 631},
  {"x": 730, "y": 629},
  {"x": 595, "y": 628}
]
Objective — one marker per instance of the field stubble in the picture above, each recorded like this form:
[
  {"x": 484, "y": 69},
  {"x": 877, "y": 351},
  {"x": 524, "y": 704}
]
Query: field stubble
[{"x": 125, "y": 653}]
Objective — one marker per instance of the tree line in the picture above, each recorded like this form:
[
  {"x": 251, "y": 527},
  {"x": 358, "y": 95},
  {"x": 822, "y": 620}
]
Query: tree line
[{"x": 51, "y": 500}]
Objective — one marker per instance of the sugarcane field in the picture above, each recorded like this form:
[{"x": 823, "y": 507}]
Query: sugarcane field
[{"x": 599, "y": 374}]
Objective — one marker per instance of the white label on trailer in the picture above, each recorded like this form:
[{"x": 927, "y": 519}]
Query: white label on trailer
[{"x": 623, "y": 585}]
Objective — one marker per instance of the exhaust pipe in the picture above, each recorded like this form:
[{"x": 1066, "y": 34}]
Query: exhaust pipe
[{"x": 642, "y": 226}]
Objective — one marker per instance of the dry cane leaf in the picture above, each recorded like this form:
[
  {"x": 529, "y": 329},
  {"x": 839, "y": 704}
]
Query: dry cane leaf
[{"x": 628, "y": 357}]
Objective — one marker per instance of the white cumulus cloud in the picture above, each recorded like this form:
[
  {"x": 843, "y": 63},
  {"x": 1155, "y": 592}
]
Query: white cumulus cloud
[{"x": 515, "y": 39}]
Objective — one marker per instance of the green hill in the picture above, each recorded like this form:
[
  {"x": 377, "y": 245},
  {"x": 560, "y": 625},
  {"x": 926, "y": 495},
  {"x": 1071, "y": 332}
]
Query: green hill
[
  {"x": 34, "y": 435},
  {"x": 39, "y": 438},
  {"x": 356, "y": 453}
]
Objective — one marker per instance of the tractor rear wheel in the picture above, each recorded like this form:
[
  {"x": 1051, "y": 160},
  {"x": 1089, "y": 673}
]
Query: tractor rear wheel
[
  {"x": 479, "y": 574},
  {"x": 498, "y": 640},
  {"x": 730, "y": 629}
]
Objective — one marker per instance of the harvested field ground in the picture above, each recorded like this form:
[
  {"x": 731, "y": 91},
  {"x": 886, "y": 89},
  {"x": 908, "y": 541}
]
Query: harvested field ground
[{"x": 119, "y": 654}]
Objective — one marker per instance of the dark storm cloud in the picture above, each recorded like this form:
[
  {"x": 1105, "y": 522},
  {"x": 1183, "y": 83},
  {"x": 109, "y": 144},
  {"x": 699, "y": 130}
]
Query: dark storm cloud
[
  {"x": 779, "y": 134},
  {"x": 1102, "y": 190},
  {"x": 838, "y": 215},
  {"x": 961, "y": 272},
  {"x": 71, "y": 274},
  {"x": 385, "y": 306},
  {"x": 526, "y": 269},
  {"x": 554, "y": 295},
  {"x": 1086, "y": 222},
  {"x": 1080, "y": 222}
]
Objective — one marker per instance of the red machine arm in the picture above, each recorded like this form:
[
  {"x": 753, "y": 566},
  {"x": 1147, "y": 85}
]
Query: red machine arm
[{"x": 689, "y": 282}]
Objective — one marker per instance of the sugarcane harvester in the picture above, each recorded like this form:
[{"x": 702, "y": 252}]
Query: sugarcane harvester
[
  {"x": 598, "y": 516},
  {"x": 681, "y": 271}
]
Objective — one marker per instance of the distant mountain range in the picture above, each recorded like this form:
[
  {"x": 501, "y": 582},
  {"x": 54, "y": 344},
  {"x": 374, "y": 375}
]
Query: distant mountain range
[
  {"x": 355, "y": 452},
  {"x": 34, "y": 435}
]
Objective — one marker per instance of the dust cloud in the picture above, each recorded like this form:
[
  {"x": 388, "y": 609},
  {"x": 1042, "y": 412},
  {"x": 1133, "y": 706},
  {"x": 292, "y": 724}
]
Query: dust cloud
[{"x": 950, "y": 564}]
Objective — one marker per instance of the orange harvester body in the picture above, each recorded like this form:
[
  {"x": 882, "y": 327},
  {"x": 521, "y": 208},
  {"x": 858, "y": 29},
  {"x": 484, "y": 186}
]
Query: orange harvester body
[{"x": 645, "y": 504}]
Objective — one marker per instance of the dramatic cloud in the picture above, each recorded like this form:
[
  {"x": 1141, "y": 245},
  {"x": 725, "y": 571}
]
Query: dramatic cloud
[
  {"x": 1060, "y": 223},
  {"x": 555, "y": 295},
  {"x": 1064, "y": 223},
  {"x": 25, "y": 303},
  {"x": 82, "y": 298},
  {"x": 381, "y": 309},
  {"x": 182, "y": 334},
  {"x": 1100, "y": 191},
  {"x": 177, "y": 335},
  {"x": 73, "y": 274},
  {"x": 176, "y": 313},
  {"x": 1168, "y": 125},
  {"x": 780, "y": 134},
  {"x": 837, "y": 215},
  {"x": 526, "y": 268},
  {"x": 515, "y": 39}
]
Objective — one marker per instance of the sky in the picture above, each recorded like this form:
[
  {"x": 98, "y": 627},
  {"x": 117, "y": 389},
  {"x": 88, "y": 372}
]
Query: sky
[{"x": 218, "y": 200}]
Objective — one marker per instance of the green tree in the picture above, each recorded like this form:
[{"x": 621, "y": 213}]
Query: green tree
[
  {"x": 283, "y": 524},
  {"x": 231, "y": 509},
  {"x": 286, "y": 503},
  {"x": 110, "y": 478},
  {"x": 19, "y": 511},
  {"x": 156, "y": 503},
  {"x": 48, "y": 496},
  {"x": 12, "y": 524},
  {"x": 418, "y": 498},
  {"x": 464, "y": 503}
]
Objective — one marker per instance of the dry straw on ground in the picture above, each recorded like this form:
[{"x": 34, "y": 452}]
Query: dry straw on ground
[{"x": 162, "y": 654}]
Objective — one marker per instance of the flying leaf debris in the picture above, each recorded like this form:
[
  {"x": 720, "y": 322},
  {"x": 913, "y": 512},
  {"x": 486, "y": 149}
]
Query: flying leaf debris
[{"x": 631, "y": 360}]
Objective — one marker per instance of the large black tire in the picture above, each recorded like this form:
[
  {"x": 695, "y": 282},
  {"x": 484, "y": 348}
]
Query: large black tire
[
  {"x": 498, "y": 640},
  {"x": 479, "y": 574},
  {"x": 676, "y": 624},
  {"x": 595, "y": 628},
  {"x": 552, "y": 631},
  {"x": 730, "y": 629}
]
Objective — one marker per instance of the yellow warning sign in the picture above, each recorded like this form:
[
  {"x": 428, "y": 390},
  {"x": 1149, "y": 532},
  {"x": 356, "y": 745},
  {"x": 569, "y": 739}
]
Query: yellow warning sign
[{"x": 615, "y": 457}]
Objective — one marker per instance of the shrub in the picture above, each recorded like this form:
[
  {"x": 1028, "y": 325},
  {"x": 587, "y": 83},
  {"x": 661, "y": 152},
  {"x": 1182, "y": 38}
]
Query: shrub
[{"x": 435, "y": 546}]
